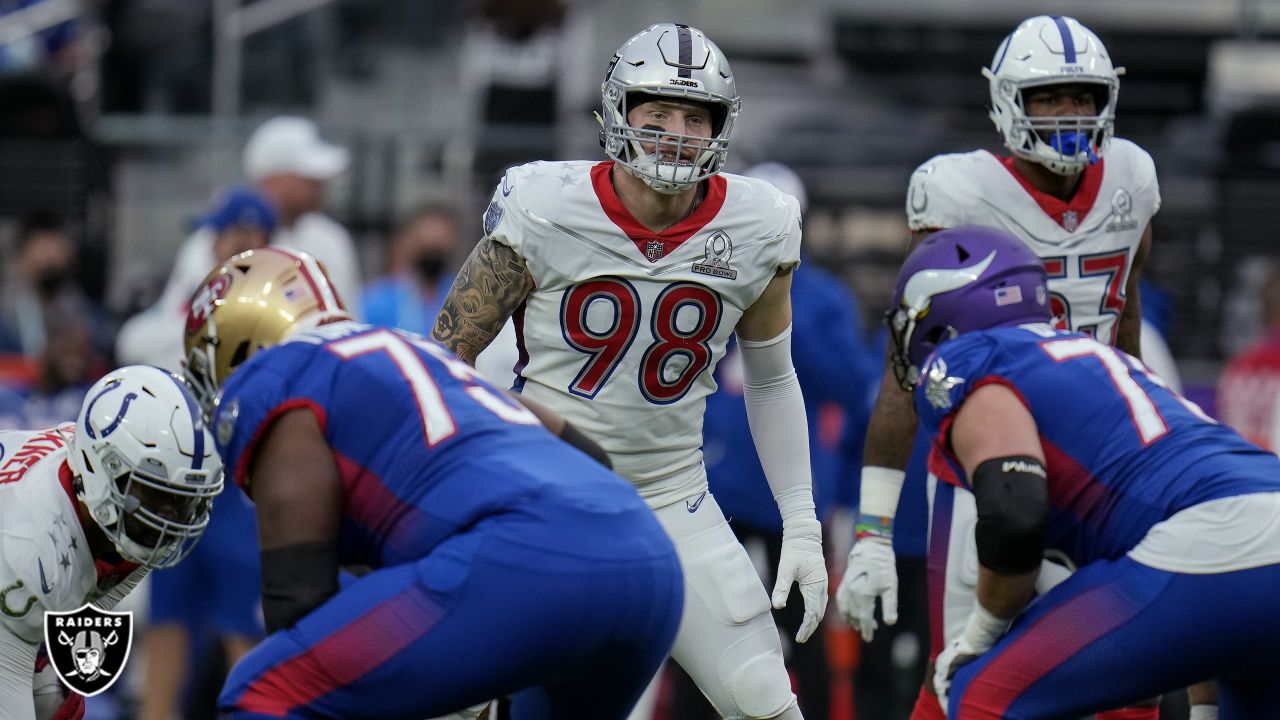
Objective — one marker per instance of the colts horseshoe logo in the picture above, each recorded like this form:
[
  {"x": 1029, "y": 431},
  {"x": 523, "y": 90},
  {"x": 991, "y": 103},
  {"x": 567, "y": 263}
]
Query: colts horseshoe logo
[{"x": 124, "y": 408}]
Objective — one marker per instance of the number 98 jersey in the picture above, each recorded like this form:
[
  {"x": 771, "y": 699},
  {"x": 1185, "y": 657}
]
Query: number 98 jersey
[{"x": 625, "y": 325}]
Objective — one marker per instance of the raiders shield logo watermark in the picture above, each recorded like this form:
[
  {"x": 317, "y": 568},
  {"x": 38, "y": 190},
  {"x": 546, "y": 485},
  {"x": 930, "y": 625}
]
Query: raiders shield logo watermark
[{"x": 88, "y": 647}]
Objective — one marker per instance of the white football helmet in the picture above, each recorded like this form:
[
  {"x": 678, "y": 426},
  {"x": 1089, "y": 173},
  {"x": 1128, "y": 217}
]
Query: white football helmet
[
  {"x": 145, "y": 464},
  {"x": 671, "y": 61},
  {"x": 1052, "y": 50}
]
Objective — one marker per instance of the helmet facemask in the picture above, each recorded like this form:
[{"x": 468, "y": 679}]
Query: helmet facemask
[
  {"x": 1044, "y": 51},
  {"x": 154, "y": 519},
  {"x": 1064, "y": 144},
  {"x": 145, "y": 464},
  {"x": 679, "y": 64}
]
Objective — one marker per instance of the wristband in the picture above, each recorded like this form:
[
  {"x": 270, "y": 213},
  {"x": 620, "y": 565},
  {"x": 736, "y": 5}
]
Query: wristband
[
  {"x": 881, "y": 487},
  {"x": 874, "y": 526}
]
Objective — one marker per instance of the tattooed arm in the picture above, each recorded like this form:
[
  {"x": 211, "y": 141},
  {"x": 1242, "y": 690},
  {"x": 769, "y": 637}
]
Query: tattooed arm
[{"x": 489, "y": 287}]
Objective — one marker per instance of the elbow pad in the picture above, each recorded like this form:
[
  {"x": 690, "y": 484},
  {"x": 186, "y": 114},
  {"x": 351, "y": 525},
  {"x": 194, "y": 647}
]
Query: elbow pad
[
  {"x": 1012, "y": 496},
  {"x": 296, "y": 580}
]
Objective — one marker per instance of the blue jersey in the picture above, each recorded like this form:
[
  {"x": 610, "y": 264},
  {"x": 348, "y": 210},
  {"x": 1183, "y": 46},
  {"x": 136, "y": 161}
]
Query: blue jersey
[
  {"x": 1123, "y": 451},
  {"x": 424, "y": 445}
]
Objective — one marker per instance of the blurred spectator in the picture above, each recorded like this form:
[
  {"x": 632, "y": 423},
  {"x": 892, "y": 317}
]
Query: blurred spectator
[
  {"x": 838, "y": 373},
  {"x": 1249, "y": 389},
  {"x": 242, "y": 219},
  {"x": 67, "y": 367},
  {"x": 160, "y": 57},
  {"x": 513, "y": 60},
  {"x": 39, "y": 282},
  {"x": 420, "y": 268},
  {"x": 290, "y": 164}
]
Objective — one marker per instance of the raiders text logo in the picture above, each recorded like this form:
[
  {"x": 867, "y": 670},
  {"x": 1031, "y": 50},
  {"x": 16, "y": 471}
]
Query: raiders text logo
[{"x": 88, "y": 647}]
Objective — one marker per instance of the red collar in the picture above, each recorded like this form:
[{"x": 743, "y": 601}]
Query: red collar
[
  {"x": 667, "y": 240},
  {"x": 106, "y": 570},
  {"x": 1080, "y": 204}
]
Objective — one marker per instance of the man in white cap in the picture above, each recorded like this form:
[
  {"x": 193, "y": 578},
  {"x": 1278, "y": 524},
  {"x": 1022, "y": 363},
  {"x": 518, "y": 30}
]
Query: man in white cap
[{"x": 289, "y": 163}]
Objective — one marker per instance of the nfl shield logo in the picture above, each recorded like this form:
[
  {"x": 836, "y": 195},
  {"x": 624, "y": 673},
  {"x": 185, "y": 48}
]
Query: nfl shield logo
[
  {"x": 1070, "y": 221},
  {"x": 88, "y": 647},
  {"x": 653, "y": 250}
]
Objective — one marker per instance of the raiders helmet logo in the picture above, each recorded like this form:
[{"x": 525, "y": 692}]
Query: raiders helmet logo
[{"x": 88, "y": 647}]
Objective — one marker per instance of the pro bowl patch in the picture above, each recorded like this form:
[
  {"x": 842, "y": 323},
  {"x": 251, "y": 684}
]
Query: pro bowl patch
[{"x": 492, "y": 216}]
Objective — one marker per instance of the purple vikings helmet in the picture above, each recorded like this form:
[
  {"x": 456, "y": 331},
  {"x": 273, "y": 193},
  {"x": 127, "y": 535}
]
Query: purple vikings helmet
[{"x": 957, "y": 281}]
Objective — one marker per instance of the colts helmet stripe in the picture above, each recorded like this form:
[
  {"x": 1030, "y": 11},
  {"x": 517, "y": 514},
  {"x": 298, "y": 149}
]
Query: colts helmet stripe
[
  {"x": 197, "y": 428},
  {"x": 1068, "y": 45}
]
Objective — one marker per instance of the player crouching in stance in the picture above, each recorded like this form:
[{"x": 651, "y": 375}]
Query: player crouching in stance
[
  {"x": 504, "y": 561},
  {"x": 86, "y": 510},
  {"x": 1071, "y": 445}
]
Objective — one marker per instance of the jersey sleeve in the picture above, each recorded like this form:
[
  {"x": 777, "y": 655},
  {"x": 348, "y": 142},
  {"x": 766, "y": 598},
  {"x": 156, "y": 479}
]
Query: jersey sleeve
[
  {"x": 1148, "y": 183},
  {"x": 936, "y": 196},
  {"x": 253, "y": 397},
  {"x": 793, "y": 227},
  {"x": 954, "y": 371},
  {"x": 502, "y": 217}
]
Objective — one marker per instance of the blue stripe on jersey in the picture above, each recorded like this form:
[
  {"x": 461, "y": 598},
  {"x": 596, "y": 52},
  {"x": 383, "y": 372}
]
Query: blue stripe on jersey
[{"x": 1068, "y": 45}]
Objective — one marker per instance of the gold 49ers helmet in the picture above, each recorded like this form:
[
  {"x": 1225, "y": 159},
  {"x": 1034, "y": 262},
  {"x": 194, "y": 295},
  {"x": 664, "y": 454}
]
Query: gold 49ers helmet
[{"x": 251, "y": 302}]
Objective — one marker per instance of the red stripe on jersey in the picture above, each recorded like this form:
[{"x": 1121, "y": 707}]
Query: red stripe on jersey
[
  {"x": 1073, "y": 626},
  {"x": 344, "y": 656},
  {"x": 669, "y": 239},
  {"x": 1081, "y": 203}
]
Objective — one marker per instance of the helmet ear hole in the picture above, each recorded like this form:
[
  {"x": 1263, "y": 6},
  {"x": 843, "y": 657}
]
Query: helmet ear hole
[{"x": 240, "y": 355}]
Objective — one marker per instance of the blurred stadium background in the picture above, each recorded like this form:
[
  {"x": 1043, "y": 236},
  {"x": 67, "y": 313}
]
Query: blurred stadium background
[{"x": 124, "y": 118}]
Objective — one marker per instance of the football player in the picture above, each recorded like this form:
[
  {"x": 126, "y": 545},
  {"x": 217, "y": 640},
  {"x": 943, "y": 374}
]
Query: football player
[
  {"x": 1082, "y": 200},
  {"x": 124, "y": 490},
  {"x": 626, "y": 278},
  {"x": 486, "y": 537},
  {"x": 1069, "y": 445}
]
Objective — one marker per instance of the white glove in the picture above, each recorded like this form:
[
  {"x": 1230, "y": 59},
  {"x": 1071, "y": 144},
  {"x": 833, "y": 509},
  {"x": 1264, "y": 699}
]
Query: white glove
[
  {"x": 870, "y": 574},
  {"x": 802, "y": 562},
  {"x": 980, "y": 634}
]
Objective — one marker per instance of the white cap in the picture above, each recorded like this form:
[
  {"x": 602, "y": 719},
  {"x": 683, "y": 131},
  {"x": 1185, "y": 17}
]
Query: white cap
[
  {"x": 781, "y": 177},
  {"x": 292, "y": 145}
]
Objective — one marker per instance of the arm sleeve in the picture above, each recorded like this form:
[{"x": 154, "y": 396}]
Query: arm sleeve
[
  {"x": 779, "y": 426},
  {"x": 17, "y": 667}
]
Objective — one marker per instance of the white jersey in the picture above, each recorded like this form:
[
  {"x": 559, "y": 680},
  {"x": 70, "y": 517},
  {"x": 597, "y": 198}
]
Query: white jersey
[
  {"x": 45, "y": 562},
  {"x": 624, "y": 326},
  {"x": 1087, "y": 244}
]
